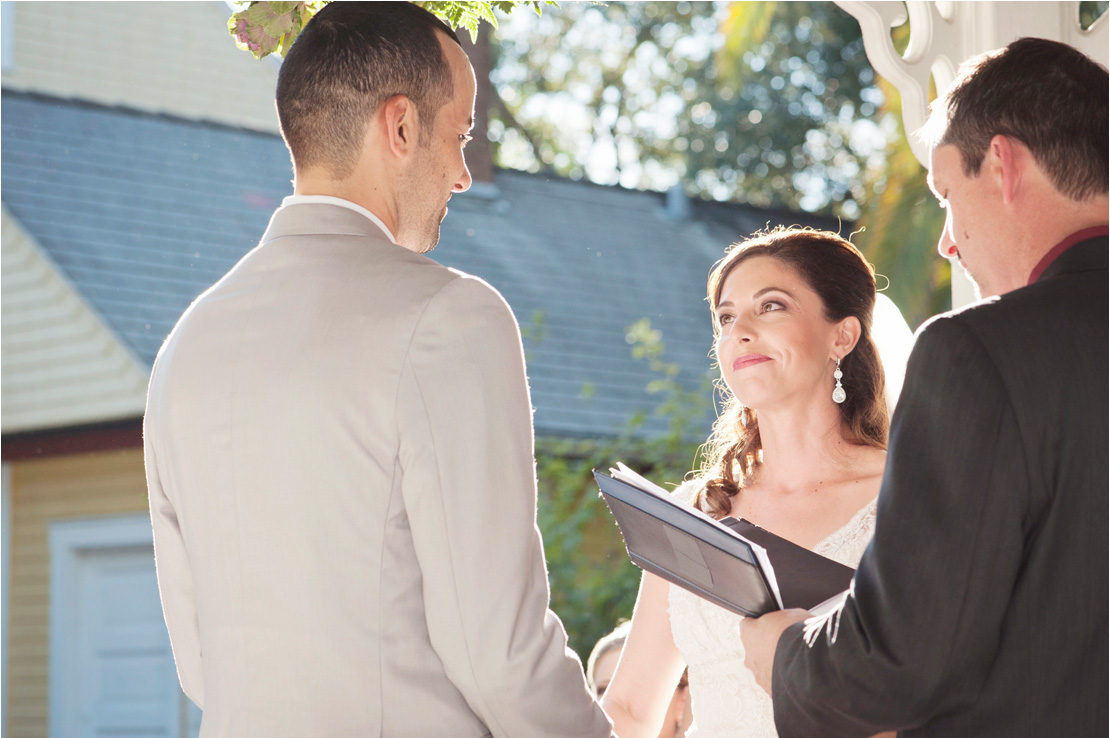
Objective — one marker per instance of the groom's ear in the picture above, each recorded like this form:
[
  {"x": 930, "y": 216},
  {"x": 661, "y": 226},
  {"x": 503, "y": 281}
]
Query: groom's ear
[{"x": 400, "y": 120}]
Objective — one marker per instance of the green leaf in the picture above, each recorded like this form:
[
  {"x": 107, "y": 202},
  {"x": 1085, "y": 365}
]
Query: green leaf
[{"x": 265, "y": 28}]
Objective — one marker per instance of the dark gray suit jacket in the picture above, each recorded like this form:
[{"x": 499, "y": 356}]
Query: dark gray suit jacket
[{"x": 980, "y": 608}]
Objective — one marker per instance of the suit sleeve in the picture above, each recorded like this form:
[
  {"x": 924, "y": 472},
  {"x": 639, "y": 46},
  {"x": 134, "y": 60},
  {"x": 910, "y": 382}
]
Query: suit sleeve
[
  {"x": 469, "y": 488},
  {"x": 919, "y": 633},
  {"x": 175, "y": 577}
]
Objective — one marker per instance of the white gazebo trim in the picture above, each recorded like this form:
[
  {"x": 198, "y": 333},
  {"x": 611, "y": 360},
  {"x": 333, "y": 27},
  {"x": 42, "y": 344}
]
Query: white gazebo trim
[{"x": 943, "y": 34}]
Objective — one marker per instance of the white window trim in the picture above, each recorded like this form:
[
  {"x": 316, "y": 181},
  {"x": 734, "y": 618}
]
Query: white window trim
[
  {"x": 6, "y": 557},
  {"x": 68, "y": 539}
]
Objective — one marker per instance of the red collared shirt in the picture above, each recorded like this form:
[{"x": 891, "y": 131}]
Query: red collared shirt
[{"x": 1063, "y": 246}]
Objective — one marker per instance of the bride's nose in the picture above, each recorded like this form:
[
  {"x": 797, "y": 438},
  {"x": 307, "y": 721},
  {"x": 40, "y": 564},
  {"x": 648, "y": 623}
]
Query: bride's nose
[{"x": 740, "y": 330}]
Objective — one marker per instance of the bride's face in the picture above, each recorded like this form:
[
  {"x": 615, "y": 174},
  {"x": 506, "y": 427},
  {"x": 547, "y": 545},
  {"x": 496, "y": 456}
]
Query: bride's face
[{"x": 774, "y": 344}]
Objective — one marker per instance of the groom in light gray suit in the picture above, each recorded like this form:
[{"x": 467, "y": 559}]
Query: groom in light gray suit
[{"x": 339, "y": 438}]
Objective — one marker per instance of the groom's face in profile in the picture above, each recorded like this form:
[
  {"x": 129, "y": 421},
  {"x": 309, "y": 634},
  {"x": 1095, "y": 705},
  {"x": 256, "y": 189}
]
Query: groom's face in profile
[{"x": 439, "y": 167}]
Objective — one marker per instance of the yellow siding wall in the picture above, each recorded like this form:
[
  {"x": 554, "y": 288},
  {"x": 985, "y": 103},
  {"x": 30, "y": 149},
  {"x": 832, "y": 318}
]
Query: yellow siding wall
[
  {"x": 172, "y": 57},
  {"x": 110, "y": 483}
]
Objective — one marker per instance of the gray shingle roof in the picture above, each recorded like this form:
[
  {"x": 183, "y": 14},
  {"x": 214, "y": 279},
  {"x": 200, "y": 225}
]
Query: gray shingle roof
[{"x": 144, "y": 212}]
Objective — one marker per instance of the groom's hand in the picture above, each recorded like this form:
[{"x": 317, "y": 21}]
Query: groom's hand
[{"x": 761, "y": 636}]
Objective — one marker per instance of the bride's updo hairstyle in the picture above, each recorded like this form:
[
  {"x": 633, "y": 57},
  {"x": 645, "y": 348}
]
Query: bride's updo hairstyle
[{"x": 845, "y": 282}]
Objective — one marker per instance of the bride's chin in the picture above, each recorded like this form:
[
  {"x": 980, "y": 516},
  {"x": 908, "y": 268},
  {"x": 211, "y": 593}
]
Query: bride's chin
[
  {"x": 751, "y": 400},
  {"x": 752, "y": 394},
  {"x": 771, "y": 399}
]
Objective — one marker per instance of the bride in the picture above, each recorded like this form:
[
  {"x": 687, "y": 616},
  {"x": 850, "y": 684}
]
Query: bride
[{"x": 798, "y": 449}]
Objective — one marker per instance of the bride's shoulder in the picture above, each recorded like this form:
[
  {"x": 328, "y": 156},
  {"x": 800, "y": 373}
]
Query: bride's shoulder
[
  {"x": 860, "y": 486},
  {"x": 870, "y": 463}
]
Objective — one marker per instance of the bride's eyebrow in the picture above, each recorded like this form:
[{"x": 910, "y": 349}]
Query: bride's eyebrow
[{"x": 765, "y": 290}]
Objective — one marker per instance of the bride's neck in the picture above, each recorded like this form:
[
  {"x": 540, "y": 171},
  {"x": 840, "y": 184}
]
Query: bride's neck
[{"x": 803, "y": 448}]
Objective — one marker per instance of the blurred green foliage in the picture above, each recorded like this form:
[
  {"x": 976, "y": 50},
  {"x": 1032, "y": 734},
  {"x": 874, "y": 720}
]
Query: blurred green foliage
[
  {"x": 264, "y": 27},
  {"x": 593, "y": 583},
  {"x": 1089, "y": 12}
]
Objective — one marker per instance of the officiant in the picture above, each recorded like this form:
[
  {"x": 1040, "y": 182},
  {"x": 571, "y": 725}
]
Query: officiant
[{"x": 980, "y": 608}]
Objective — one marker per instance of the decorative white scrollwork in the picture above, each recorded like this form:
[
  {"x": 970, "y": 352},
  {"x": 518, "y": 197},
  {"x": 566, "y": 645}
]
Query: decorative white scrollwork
[{"x": 944, "y": 33}]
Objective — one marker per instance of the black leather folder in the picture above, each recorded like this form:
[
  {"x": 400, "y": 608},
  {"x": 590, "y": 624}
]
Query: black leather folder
[{"x": 732, "y": 563}]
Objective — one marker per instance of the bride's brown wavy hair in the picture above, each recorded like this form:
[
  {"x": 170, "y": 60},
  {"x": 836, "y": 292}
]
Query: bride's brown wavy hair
[{"x": 845, "y": 282}]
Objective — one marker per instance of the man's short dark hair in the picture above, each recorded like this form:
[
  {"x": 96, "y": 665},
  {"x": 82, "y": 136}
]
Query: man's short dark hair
[
  {"x": 1047, "y": 95},
  {"x": 349, "y": 59}
]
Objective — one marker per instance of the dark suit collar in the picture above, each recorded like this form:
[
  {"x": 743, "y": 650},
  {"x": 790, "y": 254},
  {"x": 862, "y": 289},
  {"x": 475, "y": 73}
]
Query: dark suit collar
[
  {"x": 321, "y": 219},
  {"x": 1085, "y": 256}
]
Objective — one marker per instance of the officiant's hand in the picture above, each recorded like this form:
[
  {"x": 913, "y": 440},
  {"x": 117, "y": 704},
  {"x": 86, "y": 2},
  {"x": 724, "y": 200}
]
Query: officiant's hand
[{"x": 761, "y": 636}]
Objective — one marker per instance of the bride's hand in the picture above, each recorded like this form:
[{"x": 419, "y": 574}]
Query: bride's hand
[{"x": 761, "y": 636}]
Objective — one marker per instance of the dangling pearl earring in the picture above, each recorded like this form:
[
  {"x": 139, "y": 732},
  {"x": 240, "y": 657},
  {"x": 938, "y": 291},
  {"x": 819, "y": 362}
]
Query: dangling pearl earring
[{"x": 839, "y": 395}]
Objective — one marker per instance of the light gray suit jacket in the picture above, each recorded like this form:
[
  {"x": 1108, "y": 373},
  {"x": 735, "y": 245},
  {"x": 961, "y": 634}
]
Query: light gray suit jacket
[{"x": 340, "y": 459}]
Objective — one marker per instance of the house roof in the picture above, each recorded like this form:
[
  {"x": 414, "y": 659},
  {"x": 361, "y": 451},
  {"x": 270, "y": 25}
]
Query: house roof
[
  {"x": 142, "y": 212},
  {"x": 61, "y": 365}
]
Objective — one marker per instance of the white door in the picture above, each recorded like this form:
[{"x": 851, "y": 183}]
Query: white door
[
  {"x": 127, "y": 684},
  {"x": 112, "y": 667}
]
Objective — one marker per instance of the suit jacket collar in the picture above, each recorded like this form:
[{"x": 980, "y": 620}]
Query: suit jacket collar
[
  {"x": 321, "y": 219},
  {"x": 1085, "y": 256}
]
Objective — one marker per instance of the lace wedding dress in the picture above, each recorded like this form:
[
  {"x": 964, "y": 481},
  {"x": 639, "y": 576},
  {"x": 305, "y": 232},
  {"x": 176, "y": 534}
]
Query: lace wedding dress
[{"x": 726, "y": 699}]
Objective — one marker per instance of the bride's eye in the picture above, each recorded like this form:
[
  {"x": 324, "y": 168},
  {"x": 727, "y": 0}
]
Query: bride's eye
[
  {"x": 770, "y": 306},
  {"x": 724, "y": 319}
]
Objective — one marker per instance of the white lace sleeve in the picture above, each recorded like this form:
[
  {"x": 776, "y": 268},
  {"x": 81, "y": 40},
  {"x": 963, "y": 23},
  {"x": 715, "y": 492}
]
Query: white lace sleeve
[{"x": 687, "y": 492}]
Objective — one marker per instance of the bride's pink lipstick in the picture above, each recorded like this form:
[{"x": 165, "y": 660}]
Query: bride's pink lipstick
[{"x": 749, "y": 360}]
